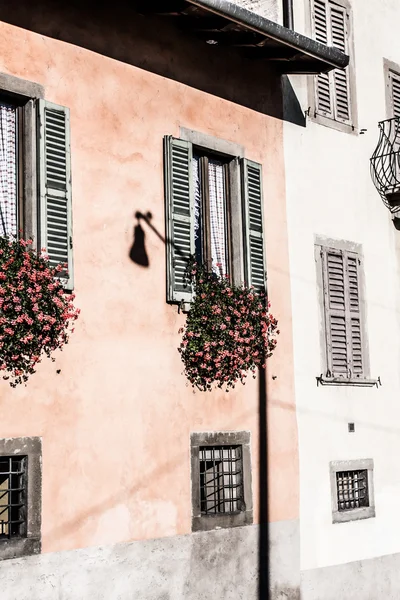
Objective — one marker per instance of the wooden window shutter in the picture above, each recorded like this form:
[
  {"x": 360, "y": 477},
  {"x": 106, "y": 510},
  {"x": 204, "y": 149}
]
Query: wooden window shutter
[
  {"x": 338, "y": 23},
  {"x": 342, "y": 313},
  {"x": 55, "y": 206},
  {"x": 179, "y": 199},
  {"x": 395, "y": 93},
  {"x": 333, "y": 88},
  {"x": 324, "y": 100},
  {"x": 253, "y": 225}
]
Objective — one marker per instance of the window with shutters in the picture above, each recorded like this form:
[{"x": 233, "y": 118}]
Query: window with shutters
[
  {"x": 352, "y": 491},
  {"x": 221, "y": 480},
  {"x": 214, "y": 213},
  {"x": 340, "y": 269},
  {"x": 35, "y": 172},
  {"x": 392, "y": 77},
  {"x": 333, "y": 101}
]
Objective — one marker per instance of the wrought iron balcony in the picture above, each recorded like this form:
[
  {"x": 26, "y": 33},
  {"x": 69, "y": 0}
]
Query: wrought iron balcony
[{"x": 385, "y": 164}]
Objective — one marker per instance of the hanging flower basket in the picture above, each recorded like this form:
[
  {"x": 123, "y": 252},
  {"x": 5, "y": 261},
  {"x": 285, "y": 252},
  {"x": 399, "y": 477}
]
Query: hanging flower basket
[
  {"x": 36, "y": 315},
  {"x": 229, "y": 332}
]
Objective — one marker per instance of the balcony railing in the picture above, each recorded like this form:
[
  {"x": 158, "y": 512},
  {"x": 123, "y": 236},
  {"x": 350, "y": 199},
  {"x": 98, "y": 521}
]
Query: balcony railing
[{"x": 385, "y": 164}]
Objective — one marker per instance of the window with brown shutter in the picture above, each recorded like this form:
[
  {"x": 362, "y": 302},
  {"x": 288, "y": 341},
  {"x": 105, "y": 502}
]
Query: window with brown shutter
[
  {"x": 393, "y": 85},
  {"x": 333, "y": 91},
  {"x": 344, "y": 333}
]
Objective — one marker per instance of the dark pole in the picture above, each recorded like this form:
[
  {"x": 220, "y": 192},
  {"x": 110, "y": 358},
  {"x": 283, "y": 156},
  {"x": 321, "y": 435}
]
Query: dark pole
[
  {"x": 263, "y": 554},
  {"x": 288, "y": 20}
]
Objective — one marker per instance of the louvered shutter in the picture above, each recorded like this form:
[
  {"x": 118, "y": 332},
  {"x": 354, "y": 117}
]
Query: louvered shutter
[
  {"x": 253, "y": 225},
  {"x": 342, "y": 313},
  {"x": 395, "y": 93},
  {"x": 54, "y": 157},
  {"x": 338, "y": 22},
  {"x": 332, "y": 89},
  {"x": 179, "y": 217},
  {"x": 324, "y": 100}
]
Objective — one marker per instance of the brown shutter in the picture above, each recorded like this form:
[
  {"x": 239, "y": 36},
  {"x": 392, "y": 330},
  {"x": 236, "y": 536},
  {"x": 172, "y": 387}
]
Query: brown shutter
[
  {"x": 332, "y": 89},
  {"x": 337, "y": 341},
  {"x": 354, "y": 315},
  {"x": 338, "y": 18},
  {"x": 395, "y": 93},
  {"x": 342, "y": 313},
  {"x": 324, "y": 81}
]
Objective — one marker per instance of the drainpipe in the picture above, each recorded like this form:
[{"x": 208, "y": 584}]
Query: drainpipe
[{"x": 288, "y": 14}]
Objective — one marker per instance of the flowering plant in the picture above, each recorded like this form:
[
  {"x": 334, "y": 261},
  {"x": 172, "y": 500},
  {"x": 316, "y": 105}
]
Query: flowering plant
[
  {"x": 229, "y": 331},
  {"x": 35, "y": 313}
]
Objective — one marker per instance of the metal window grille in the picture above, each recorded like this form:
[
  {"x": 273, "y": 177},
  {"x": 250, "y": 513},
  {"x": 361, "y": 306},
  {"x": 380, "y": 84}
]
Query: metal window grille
[
  {"x": 12, "y": 496},
  {"x": 221, "y": 479},
  {"x": 352, "y": 489}
]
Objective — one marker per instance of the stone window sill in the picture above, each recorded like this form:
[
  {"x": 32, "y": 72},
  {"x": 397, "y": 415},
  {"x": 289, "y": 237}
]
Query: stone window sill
[{"x": 351, "y": 381}]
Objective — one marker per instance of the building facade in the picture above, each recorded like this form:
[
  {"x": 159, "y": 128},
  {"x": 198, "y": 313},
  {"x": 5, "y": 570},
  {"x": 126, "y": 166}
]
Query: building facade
[
  {"x": 106, "y": 115},
  {"x": 344, "y": 261}
]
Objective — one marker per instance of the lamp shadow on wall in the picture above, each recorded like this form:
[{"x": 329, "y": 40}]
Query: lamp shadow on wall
[{"x": 138, "y": 253}]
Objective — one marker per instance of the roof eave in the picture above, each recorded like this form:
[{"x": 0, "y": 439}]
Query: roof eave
[{"x": 328, "y": 57}]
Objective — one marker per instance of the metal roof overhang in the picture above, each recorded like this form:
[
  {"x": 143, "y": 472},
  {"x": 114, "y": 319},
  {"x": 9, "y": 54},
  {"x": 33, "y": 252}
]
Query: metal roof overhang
[{"x": 223, "y": 23}]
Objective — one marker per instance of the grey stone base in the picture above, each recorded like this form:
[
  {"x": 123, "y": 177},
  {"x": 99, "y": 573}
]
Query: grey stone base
[
  {"x": 373, "y": 579},
  {"x": 212, "y": 565}
]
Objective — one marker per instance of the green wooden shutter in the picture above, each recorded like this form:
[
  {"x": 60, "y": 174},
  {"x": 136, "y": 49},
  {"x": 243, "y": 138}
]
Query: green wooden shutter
[
  {"x": 324, "y": 91},
  {"x": 338, "y": 23},
  {"x": 253, "y": 225},
  {"x": 342, "y": 313},
  {"x": 55, "y": 207},
  {"x": 179, "y": 198}
]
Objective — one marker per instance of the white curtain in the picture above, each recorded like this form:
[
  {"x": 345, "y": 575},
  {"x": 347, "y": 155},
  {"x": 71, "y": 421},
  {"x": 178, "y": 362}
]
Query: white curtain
[
  {"x": 197, "y": 209},
  {"x": 8, "y": 171},
  {"x": 217, "y": 216}
]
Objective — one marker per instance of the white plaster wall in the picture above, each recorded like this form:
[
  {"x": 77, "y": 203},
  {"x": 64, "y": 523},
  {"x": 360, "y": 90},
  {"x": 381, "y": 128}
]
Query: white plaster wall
[
  {"x": 329, "y": 192},
  {"x": 271, "y": 9}
]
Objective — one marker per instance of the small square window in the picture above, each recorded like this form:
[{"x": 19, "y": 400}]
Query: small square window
[
  {"x": 221, "y": 487},
  {"x": 352, "y": 490},
  {"x": 221, "y": 480},
  {"x": 20, "y": 497},
  {"x": 12, "y": 496}
]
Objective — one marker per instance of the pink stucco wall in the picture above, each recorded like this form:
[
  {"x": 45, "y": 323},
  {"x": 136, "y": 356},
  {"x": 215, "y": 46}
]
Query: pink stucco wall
[{"x": 116, "y": 421}]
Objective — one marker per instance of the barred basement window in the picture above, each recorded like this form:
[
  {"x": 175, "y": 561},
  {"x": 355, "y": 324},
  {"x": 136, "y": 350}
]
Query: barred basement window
[
  {"x": 12, "y": 496},
  {"x": 221, "y": 480},
  {"x": 352, "y": 489},
  {"x": 221, "y": 487}
]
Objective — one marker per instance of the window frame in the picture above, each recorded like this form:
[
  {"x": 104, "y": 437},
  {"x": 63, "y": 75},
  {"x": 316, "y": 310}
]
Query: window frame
[
  {"x": 390, "y": 69},
  {"x": 29, "y": 544},
  {"x": 312, "y": 112},
  {"x": 23, "y": 94},
  {"x": 231, "y": 153},
  {"x": 354, "y": 514},
  {"x": 204, "y": 156},
  {"x": 207, "y": 522},
  {"x": 323, "y": 243}
]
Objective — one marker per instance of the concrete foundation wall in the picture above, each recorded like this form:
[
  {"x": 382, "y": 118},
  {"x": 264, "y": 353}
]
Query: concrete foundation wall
[
  {"x": 375, "y": 579},
  {"x": 219, "y": 564}
]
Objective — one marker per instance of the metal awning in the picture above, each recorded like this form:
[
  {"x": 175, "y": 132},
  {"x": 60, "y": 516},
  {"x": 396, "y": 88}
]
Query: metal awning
[{"x": 222, "y": 23}]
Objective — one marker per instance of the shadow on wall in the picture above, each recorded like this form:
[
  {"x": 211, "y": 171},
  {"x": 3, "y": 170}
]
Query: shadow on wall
[{"x": 154, "y": 44}]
